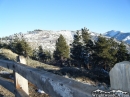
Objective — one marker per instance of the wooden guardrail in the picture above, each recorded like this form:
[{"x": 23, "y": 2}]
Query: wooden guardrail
[{"x": 54, "y": 85}]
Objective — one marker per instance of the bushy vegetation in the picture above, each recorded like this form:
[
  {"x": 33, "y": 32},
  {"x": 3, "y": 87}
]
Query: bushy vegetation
[{"x": 43, "y": 55}]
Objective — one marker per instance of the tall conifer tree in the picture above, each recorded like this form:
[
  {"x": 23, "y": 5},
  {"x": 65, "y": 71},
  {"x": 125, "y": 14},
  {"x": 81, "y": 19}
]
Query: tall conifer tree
[{"x": 62, "y": 49}]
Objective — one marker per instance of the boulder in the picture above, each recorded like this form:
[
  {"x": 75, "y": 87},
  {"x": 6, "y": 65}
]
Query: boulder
[{"x": 120, "y": 76}]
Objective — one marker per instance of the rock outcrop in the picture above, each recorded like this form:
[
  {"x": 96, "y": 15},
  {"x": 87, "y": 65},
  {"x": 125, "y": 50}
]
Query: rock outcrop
[{"x": 120, "y": 76}]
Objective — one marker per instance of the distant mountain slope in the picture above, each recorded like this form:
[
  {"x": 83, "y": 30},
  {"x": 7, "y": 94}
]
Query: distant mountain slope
[
  {"x": 47, "y": 38},
  {"x": 120, "y": 36}
]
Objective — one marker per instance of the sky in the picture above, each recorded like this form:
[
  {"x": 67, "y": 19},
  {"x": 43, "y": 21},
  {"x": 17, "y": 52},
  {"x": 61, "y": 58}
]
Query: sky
[{"x": 97, "y": 15}]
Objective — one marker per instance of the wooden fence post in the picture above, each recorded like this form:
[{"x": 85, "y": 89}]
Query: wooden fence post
[{"x": 19, "y": 81}]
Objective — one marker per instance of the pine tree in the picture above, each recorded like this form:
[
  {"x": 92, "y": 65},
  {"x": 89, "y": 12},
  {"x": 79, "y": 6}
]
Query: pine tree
[
  {"x": 105, "y": 52},
  {"x": 113, "y": 51},
  {"x": 87, "y": 47},
  {"x": 40, "y": 53},
  {"x": 85, "y": 35},
  {"x": 62, "y": 49},
  {"x": 122, "y": 53},
  {"x": 80, "y": 47},
  {"x": 76, "y": 50},
  {"x": 43, "y": 55},
  {"x": 22, "y": 48}
]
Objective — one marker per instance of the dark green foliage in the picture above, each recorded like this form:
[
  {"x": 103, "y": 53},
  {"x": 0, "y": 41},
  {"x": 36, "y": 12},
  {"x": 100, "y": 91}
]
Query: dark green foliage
[
  {"x": 103, "y": 47},
  {"x": 47, "y": 56},
  {"x": 35, "y": 55},
  {"x": 21, "y": 47},
  {"x": 102, "y": 52},
  {"x": 107, "y": 53},
  {"x": 85, "y": 35},
  {"x": 18, "y": 45},
  {"x": 42, "y": 55},
  {"x": 40, "y": 50},
  {"x": 62, "y": 49},
  {"x": 81, "y": 47},
  {"x": 122, "y": 53},
  {"x": 87, "y": 48},
  {"x": 4, "y": 45},
  {"x": 76, "y": 49}
]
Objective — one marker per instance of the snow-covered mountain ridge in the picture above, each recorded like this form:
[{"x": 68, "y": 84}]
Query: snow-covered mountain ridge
[
  {"x": 119, "y": 35},
  {"x": 47, "y": 38}
]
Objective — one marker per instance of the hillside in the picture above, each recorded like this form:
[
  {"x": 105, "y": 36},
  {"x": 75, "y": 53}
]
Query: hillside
[
  {"x": 45, "y": 38},
  {"x": 48, "y": 38}
]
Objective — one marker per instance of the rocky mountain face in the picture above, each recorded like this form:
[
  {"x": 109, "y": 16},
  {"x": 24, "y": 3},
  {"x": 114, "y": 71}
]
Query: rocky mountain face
[{"x": 119, "y": 35}]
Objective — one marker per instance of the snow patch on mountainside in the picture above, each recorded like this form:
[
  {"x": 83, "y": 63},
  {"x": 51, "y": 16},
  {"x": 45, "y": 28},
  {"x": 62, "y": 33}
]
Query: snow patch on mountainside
[
  {"x": 48, "y": 38},
  {"x": 45, "y": 38},
  {"x": 111, "y": 33},
  {"x": 119, "y": 35}
]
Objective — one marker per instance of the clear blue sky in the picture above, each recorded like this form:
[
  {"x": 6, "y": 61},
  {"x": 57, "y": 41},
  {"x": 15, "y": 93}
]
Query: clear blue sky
[{"x": 97, "y": 15}]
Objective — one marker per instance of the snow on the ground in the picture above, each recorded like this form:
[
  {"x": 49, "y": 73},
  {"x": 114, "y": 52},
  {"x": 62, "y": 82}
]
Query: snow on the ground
[{"x": 40, "y": 91}]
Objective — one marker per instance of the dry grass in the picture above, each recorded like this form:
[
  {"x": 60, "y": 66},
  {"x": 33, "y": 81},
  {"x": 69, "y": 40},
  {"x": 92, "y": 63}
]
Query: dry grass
[
  {"x": 8, "y": 54},
  {"x": 5, "y": 93},
  {"x": 37, "y": 64}
]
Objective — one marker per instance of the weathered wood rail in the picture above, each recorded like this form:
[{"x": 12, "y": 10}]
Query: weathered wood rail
[{"x": 54, "y": 85}]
